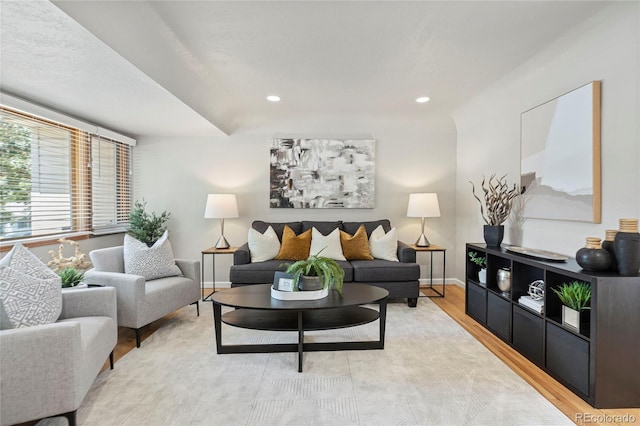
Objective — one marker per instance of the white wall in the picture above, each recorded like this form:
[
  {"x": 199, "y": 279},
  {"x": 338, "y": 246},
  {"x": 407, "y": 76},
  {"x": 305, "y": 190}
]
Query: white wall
[
  {"x": 607, "y": 48},
  {"x": 176, "y": 174}
]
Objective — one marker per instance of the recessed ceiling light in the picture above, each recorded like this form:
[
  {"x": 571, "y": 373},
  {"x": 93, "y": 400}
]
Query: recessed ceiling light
[
  {"x": 273, "y": 98},
  {"x": 422, "y": 100}
]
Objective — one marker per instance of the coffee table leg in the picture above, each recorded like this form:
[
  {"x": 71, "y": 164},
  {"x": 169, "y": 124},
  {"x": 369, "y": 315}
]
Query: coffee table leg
[
  {"x": 217, "y": 323},
  {"x": 383, "y": 321},
  {"x": 300, "y": 341}
]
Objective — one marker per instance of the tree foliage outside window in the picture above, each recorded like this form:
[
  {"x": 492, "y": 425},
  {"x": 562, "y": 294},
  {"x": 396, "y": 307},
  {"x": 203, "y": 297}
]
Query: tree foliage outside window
[{"x": 15, "y": 175}]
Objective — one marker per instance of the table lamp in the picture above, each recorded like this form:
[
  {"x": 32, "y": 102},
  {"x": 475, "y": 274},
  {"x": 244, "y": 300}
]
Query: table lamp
[
  {"x": 423, "y": 205},
  {"x": 221, "y": 206}
]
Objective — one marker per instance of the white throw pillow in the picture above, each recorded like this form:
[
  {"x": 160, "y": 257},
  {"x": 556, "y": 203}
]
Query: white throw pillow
[
  {"x": 328, "y": 246},
  {"x": 150, "y": 262},
  {"x": 263, "y": 246},
  {"x": 30, "y": 292},
  {"x": 384, "y": 246}
]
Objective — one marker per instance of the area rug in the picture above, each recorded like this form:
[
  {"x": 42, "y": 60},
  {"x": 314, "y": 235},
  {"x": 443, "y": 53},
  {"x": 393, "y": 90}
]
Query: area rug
[{"x": 431, "y": 372}]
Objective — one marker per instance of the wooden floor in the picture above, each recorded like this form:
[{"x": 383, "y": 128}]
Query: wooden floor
[{"x": 453, "y": 304}]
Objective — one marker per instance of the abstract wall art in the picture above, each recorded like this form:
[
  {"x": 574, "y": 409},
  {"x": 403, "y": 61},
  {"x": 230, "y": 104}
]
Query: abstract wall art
[
  {"x": 317, "y": 173},
  {"x": 560, "y": 157}
]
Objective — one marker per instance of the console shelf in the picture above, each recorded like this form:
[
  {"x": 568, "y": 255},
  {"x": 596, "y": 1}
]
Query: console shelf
[{"x": 600, "y": 363}]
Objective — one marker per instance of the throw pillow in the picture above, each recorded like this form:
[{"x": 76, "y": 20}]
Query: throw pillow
[
  {"x": 294, "y": 247},
  {"x": 263, "y": 247},
  {"x": 356, "y": 246},
  {"x": 384, "y": 246},
  {"x": 150, "y": 262},
  {"x": 326, "y": 245},
  {"x": 30, "y": 292}
]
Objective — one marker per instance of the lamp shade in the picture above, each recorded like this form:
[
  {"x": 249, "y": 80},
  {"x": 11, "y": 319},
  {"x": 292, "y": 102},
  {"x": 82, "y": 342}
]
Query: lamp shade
[
  {"x": 423, "y": 205},
  {"x": 221, "y": 206}
]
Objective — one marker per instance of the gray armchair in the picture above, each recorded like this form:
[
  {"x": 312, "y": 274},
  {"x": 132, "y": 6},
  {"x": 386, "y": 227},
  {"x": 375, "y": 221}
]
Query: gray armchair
[
  {"x": 141, "y": 302},
  {"x": 47, "y": 370}
]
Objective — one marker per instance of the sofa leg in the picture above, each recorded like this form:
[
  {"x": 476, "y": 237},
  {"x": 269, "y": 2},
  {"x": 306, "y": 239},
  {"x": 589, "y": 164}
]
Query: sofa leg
[
  {"x": 71, "y": 417},
  {"x": 137, "y": 337},
  {"x": 111, "y": 360},
  {"x": 412, "y": 302},
  {"x": 197, "y": 303}
]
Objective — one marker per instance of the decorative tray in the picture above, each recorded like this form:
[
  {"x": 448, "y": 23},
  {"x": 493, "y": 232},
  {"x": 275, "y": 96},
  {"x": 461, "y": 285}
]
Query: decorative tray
[
  {"x": 539, "y": 254},
  {"x": 299, "y": 295}
]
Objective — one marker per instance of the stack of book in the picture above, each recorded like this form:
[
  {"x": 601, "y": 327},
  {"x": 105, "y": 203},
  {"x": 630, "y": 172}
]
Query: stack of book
[{"x": 534, "y": 305}]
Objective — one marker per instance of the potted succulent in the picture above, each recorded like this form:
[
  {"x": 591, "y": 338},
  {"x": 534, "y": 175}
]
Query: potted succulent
[
  {"x": 481, "y": 262},
  {"x": 71, "y": 277},
  {"x": 317, "y": 273},
  {"x": 575, "y": 297},
  {"x": 146, "y": 227},
  {"x": 498, "y": 198}
]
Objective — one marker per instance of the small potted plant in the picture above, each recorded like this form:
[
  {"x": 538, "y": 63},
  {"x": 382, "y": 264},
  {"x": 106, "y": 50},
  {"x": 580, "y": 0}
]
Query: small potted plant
[
  {"x": 575, "y": 297},
  {"x": 71, "y": 277},
  {"x": 144, "y": 226},
  {"x": 481, "y": 262},
  {"x": 317, "y": 273},
  {"x": 498, "y": 198}
]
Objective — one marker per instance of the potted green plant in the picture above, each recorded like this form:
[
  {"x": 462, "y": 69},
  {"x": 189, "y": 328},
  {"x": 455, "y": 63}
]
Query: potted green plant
[
  {"x": 71, "y": 277},
  {"x": 498, "y": 198},
  {"x": 144, "y": 226},
  {"x": 317, "y": 273},
  {"x": 481, "y": 262},
  {"x": 575, "y": 297}
]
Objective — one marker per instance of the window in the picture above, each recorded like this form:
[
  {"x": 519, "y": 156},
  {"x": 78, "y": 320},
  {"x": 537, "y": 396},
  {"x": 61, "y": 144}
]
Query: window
[{"x": 56, "y": 179}]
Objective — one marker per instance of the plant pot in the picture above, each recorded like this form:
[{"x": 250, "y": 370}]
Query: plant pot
[
  {"x": 482, "y": 276},
  {"x": 570, "y": 318},
  {"x": 493, "y": 235},
  {"x": 307, "y": 283},
  {"x": 80, "y": 285}
]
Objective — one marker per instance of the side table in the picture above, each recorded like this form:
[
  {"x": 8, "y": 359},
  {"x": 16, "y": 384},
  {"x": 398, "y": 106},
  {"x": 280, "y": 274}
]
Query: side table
[
  {"x": 212, "y": 251},
  {"x": 433, "y": 249}
]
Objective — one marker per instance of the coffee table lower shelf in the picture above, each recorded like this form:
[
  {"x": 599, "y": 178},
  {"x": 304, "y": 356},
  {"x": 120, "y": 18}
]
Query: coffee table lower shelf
[{"x": 300, "y": 321}]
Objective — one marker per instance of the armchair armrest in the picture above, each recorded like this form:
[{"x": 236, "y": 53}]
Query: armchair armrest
[
  {"x": 89, "y": 302},
  {"x": 42, "y": 362},
  {"x": 130, "y": 292},
  {"x": 406, "y": 254},
  {"x": 242, "y": 255},
  {"x": 189, "y": 268}
]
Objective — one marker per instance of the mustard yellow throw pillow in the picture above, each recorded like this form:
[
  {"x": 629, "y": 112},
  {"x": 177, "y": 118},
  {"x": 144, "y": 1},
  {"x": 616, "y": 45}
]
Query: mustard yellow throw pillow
[
  {"x": 294, "y": 247},
  {"x": 356, "y": 246}
]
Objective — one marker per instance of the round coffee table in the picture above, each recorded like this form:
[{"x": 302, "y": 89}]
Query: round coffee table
[{"x": 259, "y": 311}]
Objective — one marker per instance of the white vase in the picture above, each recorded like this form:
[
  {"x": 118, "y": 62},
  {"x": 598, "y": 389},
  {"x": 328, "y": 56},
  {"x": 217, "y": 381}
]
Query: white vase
[{"x": 482, "y": 276}]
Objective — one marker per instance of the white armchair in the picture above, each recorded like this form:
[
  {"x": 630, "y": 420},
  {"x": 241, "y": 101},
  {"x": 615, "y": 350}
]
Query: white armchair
[
  {"x": 47, "y": 370},
  {"x": 141, "y": 302}
]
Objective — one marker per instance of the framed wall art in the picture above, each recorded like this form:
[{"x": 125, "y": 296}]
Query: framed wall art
[
  {"x": 560, "y": 157},
  {"x": 316, "y": 173}
]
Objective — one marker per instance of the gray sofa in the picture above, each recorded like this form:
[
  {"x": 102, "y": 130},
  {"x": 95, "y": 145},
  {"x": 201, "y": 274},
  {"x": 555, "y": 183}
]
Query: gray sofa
[
  {"x": 399, "y": 278},
  {"x": 46, "y": 370}
]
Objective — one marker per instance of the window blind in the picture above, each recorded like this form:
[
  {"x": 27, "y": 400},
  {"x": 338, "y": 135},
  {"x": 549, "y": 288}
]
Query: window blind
[{"x": 57, "y": 179}]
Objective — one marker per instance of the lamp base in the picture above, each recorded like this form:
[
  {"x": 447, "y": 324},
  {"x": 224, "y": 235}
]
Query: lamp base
[
  {"x": 222, "y": 243},
  {"x": 422, "y": 241}
]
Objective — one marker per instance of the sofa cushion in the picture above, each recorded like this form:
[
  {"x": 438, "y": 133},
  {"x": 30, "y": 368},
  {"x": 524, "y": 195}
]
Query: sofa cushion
[
  {"x": 263, "y": 246},
  {"x": 150, "y": 262},
  {"x": 256, "y": 273},
  {"x": 30, "y": 292},
  {"x": 262, "y": 226},
  {"x": 294, "y": 247},
  {"x": 356, "y": 246},
  {"x": 325, "y": 228},
  {"x": 352, "y": 227},
  {"x": 328, "y": 246},
  {"x": 384, "y": 270},
  {"x": 384, "y": 246}
]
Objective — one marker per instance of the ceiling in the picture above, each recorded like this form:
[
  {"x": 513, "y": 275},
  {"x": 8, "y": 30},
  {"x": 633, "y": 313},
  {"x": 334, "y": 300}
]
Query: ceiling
[{"x": 205, "y": 67}]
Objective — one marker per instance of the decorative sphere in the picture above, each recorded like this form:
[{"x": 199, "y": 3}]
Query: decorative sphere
[{"x": 536, "y": 290}]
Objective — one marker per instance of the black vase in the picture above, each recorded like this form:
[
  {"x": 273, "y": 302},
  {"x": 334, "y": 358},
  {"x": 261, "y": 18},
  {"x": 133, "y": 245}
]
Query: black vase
[
  {"x": 593, "y": 259},
  {"x": 493, "y": 235},
  {"x": 627, "y": 249},
  {"x": 608, "y": 246}
]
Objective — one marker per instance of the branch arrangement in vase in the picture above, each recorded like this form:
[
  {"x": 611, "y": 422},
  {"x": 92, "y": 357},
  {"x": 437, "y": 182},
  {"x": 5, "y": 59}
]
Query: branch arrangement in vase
[{"x": 498, "y": 198}]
